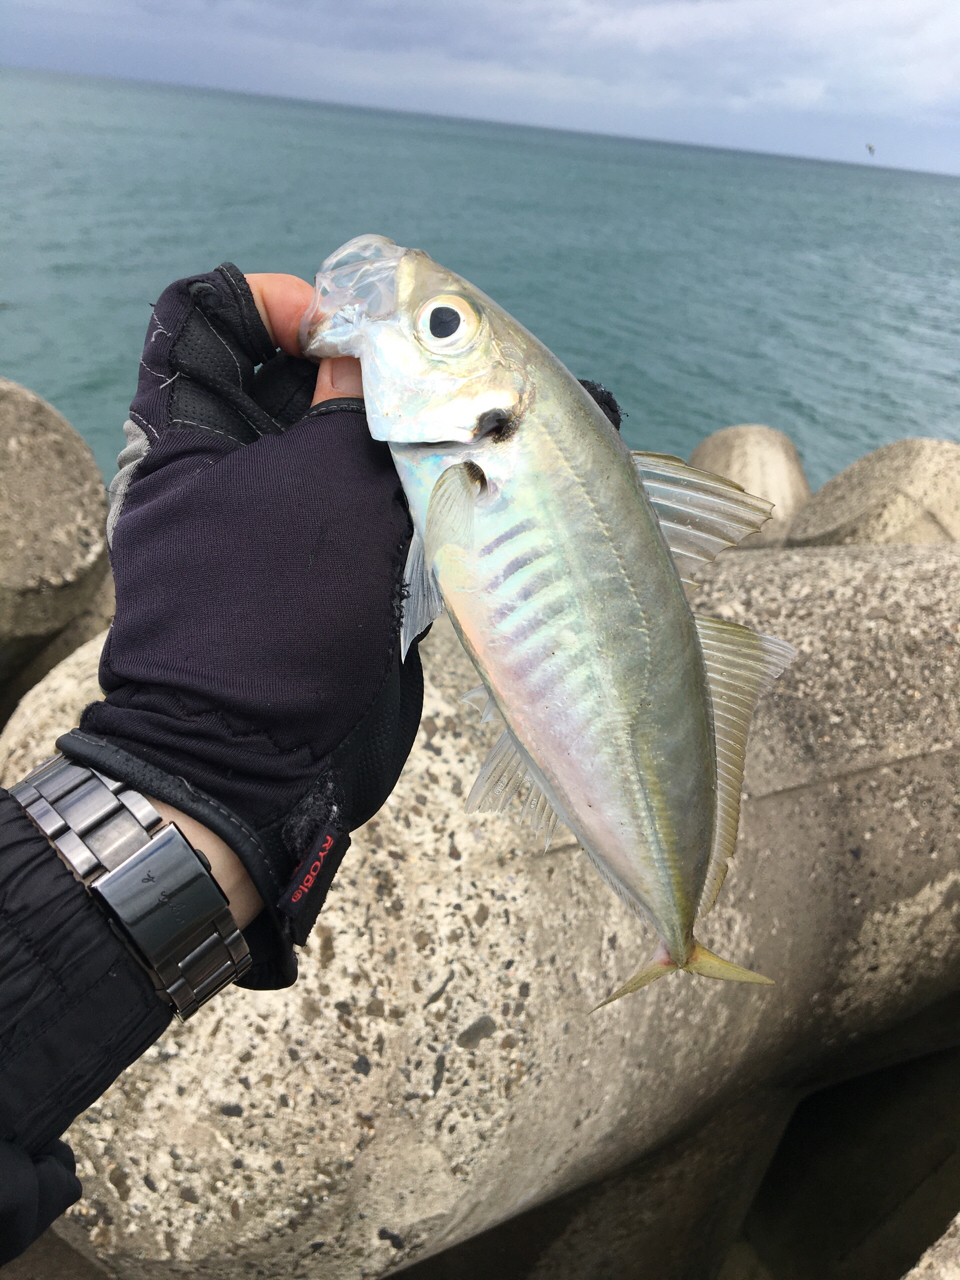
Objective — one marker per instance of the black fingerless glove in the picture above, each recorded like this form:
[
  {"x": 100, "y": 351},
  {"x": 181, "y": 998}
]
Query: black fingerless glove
[{"x": 252, "y": 674}]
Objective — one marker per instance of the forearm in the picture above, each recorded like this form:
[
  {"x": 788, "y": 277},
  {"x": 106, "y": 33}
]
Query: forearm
[
  {"x": 75, "y": 1006},
  {"x": 68, "y": 979}
]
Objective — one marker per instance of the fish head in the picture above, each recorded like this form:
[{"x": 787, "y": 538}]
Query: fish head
[{"x": 441, "y": 361}]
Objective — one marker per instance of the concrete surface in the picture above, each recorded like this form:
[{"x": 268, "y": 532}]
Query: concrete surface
[
  {"x": 906, "y": 492},
  {"x": 867, "y": 1175},
  {"x": 53, "y": 552},
  {"x": 50, "y": 708},
  {"x": 51, "y": 1258},
  {"x": 437, "y": 1072},
  {"x": 942, "y": 1260},
  {"x": 91, "y": 622}
]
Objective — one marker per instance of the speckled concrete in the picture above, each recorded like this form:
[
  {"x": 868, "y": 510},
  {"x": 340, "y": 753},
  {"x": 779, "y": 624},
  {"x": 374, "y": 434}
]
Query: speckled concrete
[
  {"x": 437, "y": 1069},
  {"x": 50, "y": 708},
  {"x": 93, "y": 621},
  {"x": 942, "y": 1260},
  {"x": 906, "y": 492}
]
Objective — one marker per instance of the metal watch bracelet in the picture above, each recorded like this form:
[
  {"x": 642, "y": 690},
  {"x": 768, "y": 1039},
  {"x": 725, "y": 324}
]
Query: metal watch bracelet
[{"x": 150, "y": 881}]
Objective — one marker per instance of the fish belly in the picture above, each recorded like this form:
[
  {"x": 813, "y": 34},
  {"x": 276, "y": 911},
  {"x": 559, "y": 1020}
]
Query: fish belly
[{"x": 571, "y": 608}]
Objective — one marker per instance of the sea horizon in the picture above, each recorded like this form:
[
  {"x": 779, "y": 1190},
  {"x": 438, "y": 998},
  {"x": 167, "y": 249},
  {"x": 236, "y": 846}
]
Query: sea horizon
[{"x": 184, "y": 86}]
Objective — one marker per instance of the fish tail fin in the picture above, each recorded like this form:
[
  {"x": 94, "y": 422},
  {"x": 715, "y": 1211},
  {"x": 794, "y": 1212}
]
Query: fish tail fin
[
  {"x": 700, "y": 961},
  {"x": 650, "y": 973},
  {"x": 708, "y": 965}
]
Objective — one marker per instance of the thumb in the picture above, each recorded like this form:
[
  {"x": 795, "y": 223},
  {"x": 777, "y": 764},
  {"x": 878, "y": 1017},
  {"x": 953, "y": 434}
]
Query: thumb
[
  {"x": 337, "y": 377},
  {"x": 281, "y": 301}
]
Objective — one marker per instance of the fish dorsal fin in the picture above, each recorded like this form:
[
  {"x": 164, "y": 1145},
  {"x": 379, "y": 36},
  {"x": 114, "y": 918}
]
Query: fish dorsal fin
[
  {"x": 481, "y": 699},
  {"x": 422, "y": 602},
  {"x": 741, "y": 665},
  {"x": 505, "y": 771},
  {"x": 700, "y": 513},
  {"x": 450, "y": 511}
]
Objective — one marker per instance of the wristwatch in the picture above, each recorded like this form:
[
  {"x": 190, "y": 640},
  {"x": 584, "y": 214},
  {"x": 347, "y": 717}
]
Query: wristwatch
[{"x": 157, "y": 890}]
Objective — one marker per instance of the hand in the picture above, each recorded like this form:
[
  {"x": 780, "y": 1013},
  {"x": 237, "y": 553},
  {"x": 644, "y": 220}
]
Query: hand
[
  {"x": 281, "y": 301},
  {"x": 258, "y": 537}
]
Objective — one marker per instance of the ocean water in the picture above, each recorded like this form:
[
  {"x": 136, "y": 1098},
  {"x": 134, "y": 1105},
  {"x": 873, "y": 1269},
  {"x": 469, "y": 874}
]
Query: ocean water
[{"x": 703, "y": 287}]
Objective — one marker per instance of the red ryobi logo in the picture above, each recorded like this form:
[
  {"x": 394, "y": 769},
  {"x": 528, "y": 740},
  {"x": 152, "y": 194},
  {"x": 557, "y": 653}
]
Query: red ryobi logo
[{"x": 314, "y": 871}]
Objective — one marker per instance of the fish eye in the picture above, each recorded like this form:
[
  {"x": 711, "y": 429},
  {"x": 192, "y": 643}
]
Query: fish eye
[
  {"x": 447, "y": 323},
  {"x": 444, "y": 321}
]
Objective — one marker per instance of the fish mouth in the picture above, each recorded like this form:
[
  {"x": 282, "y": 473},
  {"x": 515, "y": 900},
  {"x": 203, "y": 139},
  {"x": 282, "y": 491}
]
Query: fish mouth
[{"x": 356, "y": 282}]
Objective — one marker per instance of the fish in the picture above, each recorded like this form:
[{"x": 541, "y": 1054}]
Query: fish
[{"x": 562, "y": 558}]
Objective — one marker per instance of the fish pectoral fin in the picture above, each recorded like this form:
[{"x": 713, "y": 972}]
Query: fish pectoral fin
[
  {"x": 505, "y": 771},
  {"x": 708, "y": 965},
  {"x": 650, "y": 973},
  {"x": 740, "y": 666},
  {"x": 450, "y": 510},
  {"x": 700, "y": 513},
  {"x": 422, "y": 603}
]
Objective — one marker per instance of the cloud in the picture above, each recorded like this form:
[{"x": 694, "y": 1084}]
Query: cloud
[
  {"x": 739, "y": 67},
  {"x": 851, "y": 54}
]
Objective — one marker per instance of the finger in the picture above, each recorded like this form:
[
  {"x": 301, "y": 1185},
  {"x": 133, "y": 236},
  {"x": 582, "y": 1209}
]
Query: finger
[
  {"x": 338, "y": 376},
  {"x": 281, "y": 301}
]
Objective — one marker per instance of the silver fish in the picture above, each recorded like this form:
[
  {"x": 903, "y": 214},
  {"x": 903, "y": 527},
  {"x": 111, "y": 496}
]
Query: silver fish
[{"x": 561, "y": 559}]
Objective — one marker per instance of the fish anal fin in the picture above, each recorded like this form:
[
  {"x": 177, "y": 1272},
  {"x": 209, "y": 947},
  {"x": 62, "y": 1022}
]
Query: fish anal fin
[
  {"x": 476, "y": 697},
  {"x": 501, "y": 774},
  {"x": 506, "y": 770},
  {"x": 708, "y": 965},
  {"x": 700, "y": 513},
  {"x": 740, "y": 665},
  {"x": 481, "y": 700},
  {"x": 450, "y": 511}
]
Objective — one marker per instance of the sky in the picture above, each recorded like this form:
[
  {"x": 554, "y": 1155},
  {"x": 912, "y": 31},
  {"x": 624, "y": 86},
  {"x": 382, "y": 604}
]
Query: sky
[{"x": 820, "y": 78}]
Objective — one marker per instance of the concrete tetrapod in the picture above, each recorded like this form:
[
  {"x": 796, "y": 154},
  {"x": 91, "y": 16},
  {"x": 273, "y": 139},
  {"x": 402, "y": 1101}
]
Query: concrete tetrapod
[
  {"x": 53, "y": 552},
  {"x": 908, "y": 491},
  {"x": 437, "y": 1071},
  {"x": 762, "y": 461},
  {"x": 89, "y": 624},
  {"x": 51, "y": 707}
]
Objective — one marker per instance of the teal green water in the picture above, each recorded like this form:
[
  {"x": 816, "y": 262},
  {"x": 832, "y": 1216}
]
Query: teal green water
[{"x": 703, "y": 287}]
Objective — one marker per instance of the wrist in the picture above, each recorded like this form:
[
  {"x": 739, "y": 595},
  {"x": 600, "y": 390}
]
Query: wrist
[
  {"x": 155, "y": 887},
  {"x": 226, "y": 868},
  {"x": 259, "y": 852}
]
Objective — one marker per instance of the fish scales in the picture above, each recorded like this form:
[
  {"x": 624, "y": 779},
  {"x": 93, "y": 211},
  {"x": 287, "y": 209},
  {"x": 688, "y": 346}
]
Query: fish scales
[
  {"x": 533, "y": 519},
  {"x": 572, "y": 686}
]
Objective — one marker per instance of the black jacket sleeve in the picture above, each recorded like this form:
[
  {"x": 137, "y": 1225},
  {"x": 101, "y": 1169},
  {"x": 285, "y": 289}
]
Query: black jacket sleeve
[
  {"x": 75, "y": 1010},
  {"x": 34, "y": 1190}
]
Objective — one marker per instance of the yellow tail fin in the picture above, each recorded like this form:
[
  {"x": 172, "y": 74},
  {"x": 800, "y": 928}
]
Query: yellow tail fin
[
  {"x": 642, "y": 979},
  {"x": 708, "y": 965},
  {"x": 701, "y": 961}
]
